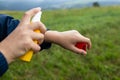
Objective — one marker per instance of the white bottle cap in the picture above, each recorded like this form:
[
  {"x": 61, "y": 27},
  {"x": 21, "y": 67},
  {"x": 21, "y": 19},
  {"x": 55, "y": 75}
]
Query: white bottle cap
[{"x": 37, "y": 17}]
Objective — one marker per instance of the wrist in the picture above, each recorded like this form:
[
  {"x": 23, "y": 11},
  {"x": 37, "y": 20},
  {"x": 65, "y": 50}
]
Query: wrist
[
  {"x": 5, "y": 51},
  {"x": 52, "y": 36}
]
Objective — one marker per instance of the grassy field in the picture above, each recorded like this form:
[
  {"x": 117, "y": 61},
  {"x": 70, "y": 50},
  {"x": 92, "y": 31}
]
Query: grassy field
[{"x": 101, "y": 25}]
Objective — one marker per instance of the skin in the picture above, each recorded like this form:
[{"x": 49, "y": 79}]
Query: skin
[
  {"x": 68, "y": 39},
  {"x": 22, "y": 38}
]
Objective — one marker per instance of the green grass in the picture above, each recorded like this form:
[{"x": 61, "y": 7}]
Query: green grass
[{"x": 101, "y": 25}]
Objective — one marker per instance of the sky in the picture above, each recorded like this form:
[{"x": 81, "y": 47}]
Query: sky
[
  {"x": 82, "y": 1},
  {"x": 48, "y": 4}
]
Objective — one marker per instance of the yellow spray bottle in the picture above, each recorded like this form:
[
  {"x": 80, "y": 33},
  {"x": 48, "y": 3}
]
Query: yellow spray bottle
[{"x": 28, "y": 55}]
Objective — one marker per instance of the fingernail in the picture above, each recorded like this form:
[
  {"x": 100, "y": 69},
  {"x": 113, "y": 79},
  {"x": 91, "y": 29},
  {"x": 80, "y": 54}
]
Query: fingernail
[
  {"x": 85, "y": 53},
  {"x": 38, "y": 8}
]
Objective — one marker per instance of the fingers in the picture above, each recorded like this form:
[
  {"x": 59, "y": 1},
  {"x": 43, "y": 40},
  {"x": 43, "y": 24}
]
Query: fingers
[
  {"x": 30, "y": 45},
  {"x": 35, "y": 47},
  {"x": 77, "y": 50},
  {"x": 37, "y": 36},
  {"x": 32, "y": 42},
  {"x": 87, "y": 40},
  {"x": 42, "y": 28},
  {"x": 27, "y": 16},
  {"x": 89, "y": 44},
  {"x": 81, "y": 38},
  {"x": 38, "y": 26}
]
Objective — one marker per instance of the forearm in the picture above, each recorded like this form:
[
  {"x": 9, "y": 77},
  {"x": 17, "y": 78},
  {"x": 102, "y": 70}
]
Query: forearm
[
  {"x": 68, "y": 40},
  {"x": 53, "y": 36}
]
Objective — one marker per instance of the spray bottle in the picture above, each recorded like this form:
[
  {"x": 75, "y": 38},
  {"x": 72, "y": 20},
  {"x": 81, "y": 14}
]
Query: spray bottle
[{"x": 28, "y": 55}]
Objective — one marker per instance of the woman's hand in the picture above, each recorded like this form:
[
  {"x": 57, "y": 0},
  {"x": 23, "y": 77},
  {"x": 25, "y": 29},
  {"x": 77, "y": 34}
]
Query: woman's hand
[{"x": 68, "y": 40}]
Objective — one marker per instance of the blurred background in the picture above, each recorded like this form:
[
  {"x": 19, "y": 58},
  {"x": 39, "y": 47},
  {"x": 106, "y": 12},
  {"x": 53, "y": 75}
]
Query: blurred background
[
  {"x": 52, "y": 4},
  {"x": 97, "y": 19}
]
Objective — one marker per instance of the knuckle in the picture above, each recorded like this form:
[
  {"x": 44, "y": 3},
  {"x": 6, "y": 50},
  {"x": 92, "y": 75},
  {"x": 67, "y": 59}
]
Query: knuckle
[
  {"x": 36, "y": 48},
  {"x": 88, "y": 40},
  {"x": 39, "y": 48},
  {"x": 26, "y": 13},
  {"x": 75, "y": 31},
  {"x": 41, "y": 25},
  {"x": 42, "y": 36},
  {"x": 26, "y": 43},
  {"x": 24, "y": 34},
  {"x": 38, "y": 24}
]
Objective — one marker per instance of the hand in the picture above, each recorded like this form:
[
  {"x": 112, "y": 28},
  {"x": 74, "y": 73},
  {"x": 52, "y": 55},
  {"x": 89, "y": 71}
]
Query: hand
[
  {"x": 68, "y": 39},
  {"x": 21, "y": 39}
]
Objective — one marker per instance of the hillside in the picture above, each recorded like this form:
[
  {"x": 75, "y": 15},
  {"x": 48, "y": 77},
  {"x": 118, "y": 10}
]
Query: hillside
[
  {"x": 50, "y": 4},
  {"x": 101, "y": 25}
]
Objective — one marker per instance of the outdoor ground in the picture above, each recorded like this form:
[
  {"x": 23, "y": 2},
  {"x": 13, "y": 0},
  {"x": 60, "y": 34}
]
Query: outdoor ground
[{"x": 101, "y": 25}]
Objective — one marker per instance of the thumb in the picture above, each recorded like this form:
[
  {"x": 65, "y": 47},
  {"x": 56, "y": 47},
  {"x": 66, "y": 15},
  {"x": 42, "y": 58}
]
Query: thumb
[{"x": 29, "y": 14}]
